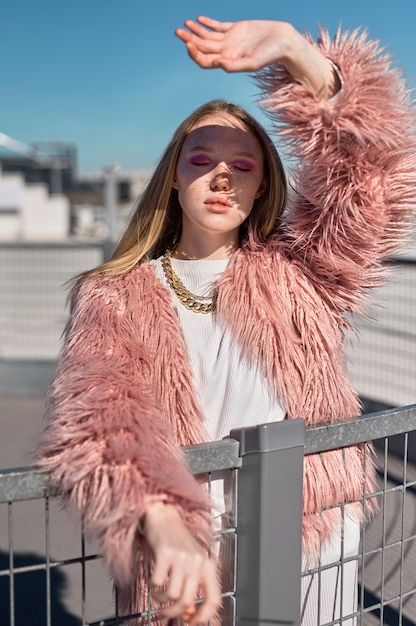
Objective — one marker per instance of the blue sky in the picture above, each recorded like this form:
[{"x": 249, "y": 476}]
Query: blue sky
[{"x": 110, "y": 76}]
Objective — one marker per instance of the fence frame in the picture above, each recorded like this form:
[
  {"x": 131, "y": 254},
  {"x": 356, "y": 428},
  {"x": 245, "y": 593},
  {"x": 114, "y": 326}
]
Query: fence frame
[{"x": 257, "y": 454}]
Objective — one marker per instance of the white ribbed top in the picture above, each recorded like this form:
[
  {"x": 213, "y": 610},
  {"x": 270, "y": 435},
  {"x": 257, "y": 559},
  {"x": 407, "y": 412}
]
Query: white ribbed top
[{"x": 232, "y": 392}]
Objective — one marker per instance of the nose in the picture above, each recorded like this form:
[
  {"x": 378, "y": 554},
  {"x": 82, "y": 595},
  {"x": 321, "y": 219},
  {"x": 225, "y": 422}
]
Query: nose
[{"x": 220, "y": 180}]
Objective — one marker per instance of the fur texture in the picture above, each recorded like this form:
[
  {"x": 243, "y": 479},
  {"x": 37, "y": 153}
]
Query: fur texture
[{"x": 123, "y": 400}]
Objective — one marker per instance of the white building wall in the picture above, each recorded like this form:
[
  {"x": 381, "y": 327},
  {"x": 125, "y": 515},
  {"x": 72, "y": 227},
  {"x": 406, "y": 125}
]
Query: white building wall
[
  {"x": 11, "y": 200},
  {"x": 28, "y": 212},
  {"x": 44, "y": 217},
  {"x": 10, "y": 226}
]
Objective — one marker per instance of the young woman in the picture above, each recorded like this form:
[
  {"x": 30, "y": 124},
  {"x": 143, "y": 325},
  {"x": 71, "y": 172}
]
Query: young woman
[{"x": 225, "y": 305}]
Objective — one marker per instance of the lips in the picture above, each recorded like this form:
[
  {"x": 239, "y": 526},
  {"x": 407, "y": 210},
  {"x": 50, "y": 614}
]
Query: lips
[{"x": 218, "y": 202}]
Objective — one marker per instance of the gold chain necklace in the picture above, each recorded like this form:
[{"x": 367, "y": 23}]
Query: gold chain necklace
[{"x": 197, "y": 304}]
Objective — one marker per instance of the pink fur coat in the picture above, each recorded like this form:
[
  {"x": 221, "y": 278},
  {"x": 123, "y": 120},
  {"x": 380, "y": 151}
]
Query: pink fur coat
[{"x": 123, "y": 400}]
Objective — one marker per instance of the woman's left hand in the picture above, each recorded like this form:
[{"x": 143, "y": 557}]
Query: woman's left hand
[
  {"x": 250, "y": 45},
  {"x": 244, "y": 46}
]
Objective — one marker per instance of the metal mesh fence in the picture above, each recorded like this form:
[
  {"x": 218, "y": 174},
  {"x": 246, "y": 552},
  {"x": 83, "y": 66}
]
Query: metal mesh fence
[
  {"x": 385, "y": 563},
  {"x": 61, "y": 580},
  {"x": 383, "y": 353},
  {"x": 32, "y": 316},
  {"x": 388, "y": 560},
  {"x": 50, "y": 575},
  {"x": 33, "y": 295}
]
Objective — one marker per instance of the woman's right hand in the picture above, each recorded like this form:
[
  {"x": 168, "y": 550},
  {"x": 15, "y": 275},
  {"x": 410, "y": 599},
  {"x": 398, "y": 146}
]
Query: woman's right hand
[{"x": 181, "y": 565}]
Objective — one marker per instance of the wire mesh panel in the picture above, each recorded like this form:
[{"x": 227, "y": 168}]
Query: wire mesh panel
[
  {"x": 388, "y": 568},
  {"x": 373, "y": 577},
  {"x": 33, "y": 294},
  {"x": 44, "y": 582},
  {"x": 383, "y": 353},
  {"x": 50, "y": 576}
]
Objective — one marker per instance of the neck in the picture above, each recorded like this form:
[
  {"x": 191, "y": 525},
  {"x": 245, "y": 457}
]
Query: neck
[{"x": 205, "y": 248}]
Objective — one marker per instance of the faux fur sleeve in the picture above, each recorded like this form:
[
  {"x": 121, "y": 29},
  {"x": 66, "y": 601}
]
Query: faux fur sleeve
[
  {"x": 108, "y": 448},
  {"x": 356, "y": 180}
]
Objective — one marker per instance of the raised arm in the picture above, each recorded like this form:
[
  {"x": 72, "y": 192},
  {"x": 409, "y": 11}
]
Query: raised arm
[{"x": 356, "y": 176}]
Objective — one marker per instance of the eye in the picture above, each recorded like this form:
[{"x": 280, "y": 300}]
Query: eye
[
  {"x": 200, "y": 160},
  {"x": 242, "y": 166}
]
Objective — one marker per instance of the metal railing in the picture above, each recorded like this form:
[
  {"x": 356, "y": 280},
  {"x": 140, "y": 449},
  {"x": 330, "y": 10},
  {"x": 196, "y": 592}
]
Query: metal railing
[
  {"x": 382, "y": 356},
  {"x": 32, "y": 317},
  {"x": 386, "y": 559},
  {"x": 263, "y": 465},
  {"x": 33, "y": 294}
]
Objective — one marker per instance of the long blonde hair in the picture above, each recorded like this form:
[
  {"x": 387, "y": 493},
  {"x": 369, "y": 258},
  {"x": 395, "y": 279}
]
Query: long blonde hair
[{"x": 157, "y": 220}]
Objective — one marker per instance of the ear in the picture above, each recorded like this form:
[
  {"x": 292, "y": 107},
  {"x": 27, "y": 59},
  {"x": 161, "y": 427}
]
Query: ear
[
  {"x": 262, "y": 188},
  {"x": 174, "y": 184}
]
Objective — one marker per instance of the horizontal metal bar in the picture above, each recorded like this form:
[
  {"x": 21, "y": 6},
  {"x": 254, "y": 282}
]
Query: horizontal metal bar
[
  {"x": 400, "y": 260},
  {"x": 29, "y": 483},
  {"x": 213, "y": 456},
  {"x": 368, "y": 427},
  {"x": 23, "y": 483},
  {"x": 50, "y": 565}
]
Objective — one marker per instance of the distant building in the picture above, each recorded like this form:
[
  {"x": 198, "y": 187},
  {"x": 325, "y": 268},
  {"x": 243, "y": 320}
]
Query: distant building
[
  {"x": 42, "y": 195},
  {"x": 28, "y": 212},
  {"x": 52, "y": 163}
]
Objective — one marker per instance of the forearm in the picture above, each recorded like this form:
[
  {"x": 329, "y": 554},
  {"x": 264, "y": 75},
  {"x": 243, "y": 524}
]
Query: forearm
[{"x": 308, "y": 66}]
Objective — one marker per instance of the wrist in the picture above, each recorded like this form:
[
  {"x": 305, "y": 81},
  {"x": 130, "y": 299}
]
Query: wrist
[
  {"x": 305, "y": 62},
  {"x": 156, "y": 514}
]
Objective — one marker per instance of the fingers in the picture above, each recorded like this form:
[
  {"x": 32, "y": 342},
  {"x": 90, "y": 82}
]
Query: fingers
[
  {"x": 201, "y": 31},
  {"x": 204, "y": 60},
  {"x": 183, "y": 582},
  {"x": 198, "y": 35},
  {"x": 204, "y": 44},
  {"x": 215, "y": 25},
  {"x": 196, "y": 46},
  {"x": 219, "y": 61},
  {"x": 198, "y": 31},
  {"x": 189, "y": 613},
  {"x": 206, "y": 610},
  {"x": 181, "y": 565},
  {"x": 212, "y": 44},
  {"x": 182, "y": 576}
]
